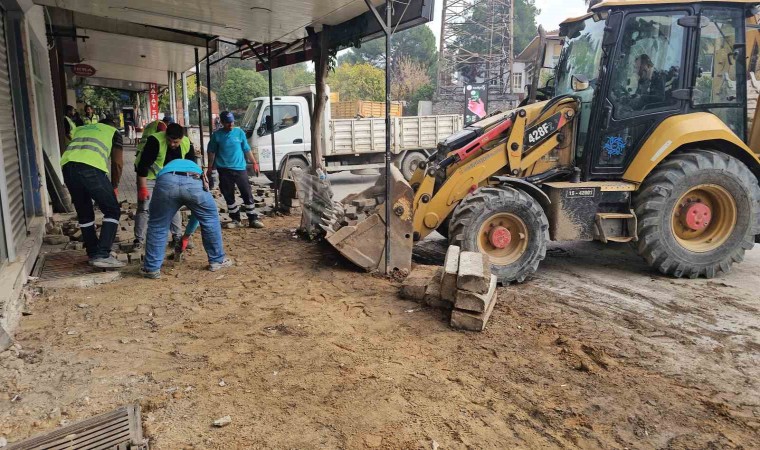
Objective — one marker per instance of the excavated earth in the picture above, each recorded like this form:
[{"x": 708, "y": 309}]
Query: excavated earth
[{"x": 303, "y": 351}]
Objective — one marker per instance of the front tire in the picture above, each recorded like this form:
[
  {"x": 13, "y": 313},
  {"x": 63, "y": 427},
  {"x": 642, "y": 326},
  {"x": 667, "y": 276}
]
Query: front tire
[
  {"x": 506, "y": 224},
  {"x": 697, "y": 214}
]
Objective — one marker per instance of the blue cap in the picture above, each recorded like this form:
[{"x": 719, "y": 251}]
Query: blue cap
[
  {"x": 167, "y": 119},
  {"x": 226, "y": 117}
]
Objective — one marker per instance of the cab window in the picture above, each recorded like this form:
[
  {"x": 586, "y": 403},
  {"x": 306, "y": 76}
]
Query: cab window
[
  {"x": 648, "y": 64},
  {"x": 285, "y": 116}
]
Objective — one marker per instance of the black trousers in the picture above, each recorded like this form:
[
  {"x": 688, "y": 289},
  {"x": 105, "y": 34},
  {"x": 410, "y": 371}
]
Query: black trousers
[
  {"x": 228, "y": 180},
  {"x": 87, "y": 184}
]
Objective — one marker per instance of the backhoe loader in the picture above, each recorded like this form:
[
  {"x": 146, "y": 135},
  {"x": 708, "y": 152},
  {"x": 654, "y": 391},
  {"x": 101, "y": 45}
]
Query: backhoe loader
[{"x": 642, "y": 137}]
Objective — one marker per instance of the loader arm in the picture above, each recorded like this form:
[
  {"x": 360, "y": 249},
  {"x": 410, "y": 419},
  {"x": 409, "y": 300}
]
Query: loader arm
[{"x": 503, "y": 150}]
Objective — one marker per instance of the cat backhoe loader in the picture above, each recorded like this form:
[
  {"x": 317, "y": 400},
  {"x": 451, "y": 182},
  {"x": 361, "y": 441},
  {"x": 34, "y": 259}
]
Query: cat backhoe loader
[{"x": 642, "y": 138}]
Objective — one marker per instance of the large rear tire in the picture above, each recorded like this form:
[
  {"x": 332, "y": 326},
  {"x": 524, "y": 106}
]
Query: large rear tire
[
  {"x": 506, "y": 224},
  {"x": 697, "y": 214}
]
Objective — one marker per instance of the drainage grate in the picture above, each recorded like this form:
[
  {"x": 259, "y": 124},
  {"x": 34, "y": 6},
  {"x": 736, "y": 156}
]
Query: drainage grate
[
  {"x": 120, "y": 429},
  {"x": 69, "y": 263}
]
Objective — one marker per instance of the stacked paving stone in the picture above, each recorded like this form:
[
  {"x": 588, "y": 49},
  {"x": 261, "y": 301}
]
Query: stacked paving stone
[{"x": 463, "y": 285}]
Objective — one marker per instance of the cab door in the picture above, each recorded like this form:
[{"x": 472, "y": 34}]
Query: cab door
[
  {"x": 644, "y": 84},
  {"x": 288, "y": 133}
]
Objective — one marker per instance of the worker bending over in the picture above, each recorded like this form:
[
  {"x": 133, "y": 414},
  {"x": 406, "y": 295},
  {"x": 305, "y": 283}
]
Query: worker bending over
[
  {"x": 228, "y": 151},
  {"x": 181, "y": 183},
  {"x": 85, "y": 166},
  {"x": 160, "y": 149}
]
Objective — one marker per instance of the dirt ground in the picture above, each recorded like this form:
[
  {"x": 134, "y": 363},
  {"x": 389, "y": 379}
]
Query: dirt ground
[{"x": 303, "y": 351}]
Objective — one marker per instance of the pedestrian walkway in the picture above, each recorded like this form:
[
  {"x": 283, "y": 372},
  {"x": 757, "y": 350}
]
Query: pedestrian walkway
[{"x": 128, "y": 183}]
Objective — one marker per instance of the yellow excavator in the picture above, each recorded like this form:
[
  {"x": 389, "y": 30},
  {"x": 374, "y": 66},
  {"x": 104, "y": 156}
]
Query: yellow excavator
[{"x": 642, "y": 136}]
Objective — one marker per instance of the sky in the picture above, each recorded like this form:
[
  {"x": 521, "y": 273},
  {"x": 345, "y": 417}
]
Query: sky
[{"x": 552, "y": 13}]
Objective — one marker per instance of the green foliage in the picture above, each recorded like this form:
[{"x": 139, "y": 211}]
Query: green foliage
[
  {"x": 417, "y": 43},
  {"x": 101, "y": 98},
  {"x": 358, "y": 82},
  {"x": 526, "y": 29},
  {"x": 163, "y": 99},
  {"x": 240, "y": 87},
  {"x": 423, "y": 93},
  {"x": 286, "y": 78}
]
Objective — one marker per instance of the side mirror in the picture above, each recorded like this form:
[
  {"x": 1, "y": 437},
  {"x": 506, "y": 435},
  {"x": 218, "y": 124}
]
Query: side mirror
[
  {"x": 579, "y": 83},
  {"x": 549, "y": 82},
  {"x": 269, "y": 123},
  {"x": 262, "y": 130}
]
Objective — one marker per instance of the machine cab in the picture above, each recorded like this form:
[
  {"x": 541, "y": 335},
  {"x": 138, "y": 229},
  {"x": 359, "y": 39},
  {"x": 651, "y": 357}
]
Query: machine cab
[{"x": 645, "y": 63}]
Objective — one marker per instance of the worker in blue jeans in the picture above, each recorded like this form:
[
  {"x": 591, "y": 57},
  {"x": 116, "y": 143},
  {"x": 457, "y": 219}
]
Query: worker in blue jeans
[{"x": 181, "y": 183}]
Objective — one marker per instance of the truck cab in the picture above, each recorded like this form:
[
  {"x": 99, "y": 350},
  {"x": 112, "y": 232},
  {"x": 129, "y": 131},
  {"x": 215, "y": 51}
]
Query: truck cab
[{"x": 290, "y": 123}]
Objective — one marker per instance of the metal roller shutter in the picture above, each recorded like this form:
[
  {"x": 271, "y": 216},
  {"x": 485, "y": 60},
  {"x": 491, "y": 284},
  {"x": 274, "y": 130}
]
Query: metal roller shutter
[{"x": 9, "y": 146}]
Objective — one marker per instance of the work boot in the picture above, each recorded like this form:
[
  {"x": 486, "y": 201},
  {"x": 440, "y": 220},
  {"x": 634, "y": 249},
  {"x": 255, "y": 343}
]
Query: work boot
[
  {"x": 213, "y": 267},
  {"x": 152, "y": 275},
  {"x": 107, "y": 263},
  {"x": 255, "y": 223},
  {"x": 233, "y": 224}
]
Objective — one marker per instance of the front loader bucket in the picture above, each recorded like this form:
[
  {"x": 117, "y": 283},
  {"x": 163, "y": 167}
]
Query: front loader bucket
[{"x": 356, "y": 227}]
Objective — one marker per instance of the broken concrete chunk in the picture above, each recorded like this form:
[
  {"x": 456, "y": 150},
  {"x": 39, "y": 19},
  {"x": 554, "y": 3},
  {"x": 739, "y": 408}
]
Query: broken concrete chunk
[
  {"x": 56, "y": 239},
  {"x": 474, "y": 272},
  {"x": 433, "y": 292},
  {"x": 450, "y": 271},
  {"x": 223, "y": 421},
  {"x": 415, "y": 285},
  {"x": 466, "y": 320},
  {"x": 470, "y": 301}
]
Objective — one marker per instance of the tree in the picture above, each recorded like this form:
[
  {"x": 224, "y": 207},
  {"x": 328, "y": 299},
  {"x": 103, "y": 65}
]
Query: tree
[
  {"x": 286, "y": 78},
  {"x": 100, "y": 97},
  {"x": 416, "y": 43},
  {"x": 358, "y": 82},
  {"x": 408, "y": 76},
  {"x": 423, "y": 93},
  {"x": 525, "y": 28},
  {"x": 240, "y": 87}
]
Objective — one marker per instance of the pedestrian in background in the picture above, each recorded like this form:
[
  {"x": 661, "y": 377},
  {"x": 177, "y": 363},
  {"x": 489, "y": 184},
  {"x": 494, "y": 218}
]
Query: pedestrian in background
[{"x": 228, "y": 151}]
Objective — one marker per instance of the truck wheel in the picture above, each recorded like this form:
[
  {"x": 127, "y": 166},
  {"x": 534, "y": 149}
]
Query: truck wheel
[
  {"x": 506, "y": 224},
  {"x": 410, "y": 163},
  {"x": 697, "y": 214},
  {"x": 293, "y": 162}
]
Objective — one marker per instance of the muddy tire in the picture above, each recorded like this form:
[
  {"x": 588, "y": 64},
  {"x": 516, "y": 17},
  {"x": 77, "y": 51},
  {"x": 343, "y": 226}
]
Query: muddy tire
[
  {"x": 410, "y": 163},
  {"x": 293, "y": 162},
  {"x": 698, "y": 212},
  {"x": 479, "y": 221}
]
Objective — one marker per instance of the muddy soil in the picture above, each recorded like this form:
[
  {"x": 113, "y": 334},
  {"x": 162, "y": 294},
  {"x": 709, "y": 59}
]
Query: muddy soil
[{"x": 303, "y": 351}]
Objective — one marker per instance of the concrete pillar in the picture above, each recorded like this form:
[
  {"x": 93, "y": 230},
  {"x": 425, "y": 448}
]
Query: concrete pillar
[{"x": 185, "y": 102}]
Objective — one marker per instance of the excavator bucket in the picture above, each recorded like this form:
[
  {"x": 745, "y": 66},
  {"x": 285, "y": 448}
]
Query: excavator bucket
[{"x": 356, "y": 226}]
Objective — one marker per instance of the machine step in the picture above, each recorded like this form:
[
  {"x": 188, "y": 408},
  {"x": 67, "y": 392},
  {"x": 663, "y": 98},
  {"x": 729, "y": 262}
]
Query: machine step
[{"x": 615, "y": 227}]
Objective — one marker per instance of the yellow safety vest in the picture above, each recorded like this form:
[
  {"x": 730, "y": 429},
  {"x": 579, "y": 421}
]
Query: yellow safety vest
[
  {"x": 72, "y": 127},
  {"x": 91, "y": 121},
  {"x": 91, "y": 145},
  {"x": 148, "y": 131},
  {"x": 163, "y": 147}
]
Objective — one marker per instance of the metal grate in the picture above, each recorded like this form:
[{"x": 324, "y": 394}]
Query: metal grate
[
  {"x": 69, "y": 263},
  {"x": 119, "y": 429}
]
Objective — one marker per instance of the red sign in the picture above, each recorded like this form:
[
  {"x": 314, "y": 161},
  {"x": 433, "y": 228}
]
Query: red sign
[
  {"x": 153, "y": 101},
  {"x": 84, "y": 70}
]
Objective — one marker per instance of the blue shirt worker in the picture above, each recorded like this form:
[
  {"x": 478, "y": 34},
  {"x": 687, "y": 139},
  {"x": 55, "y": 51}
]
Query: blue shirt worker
[
  {"x": 93, "y": 150},
  {"x": 181, "y": 183},
  {"x": 228, "y": 151}
]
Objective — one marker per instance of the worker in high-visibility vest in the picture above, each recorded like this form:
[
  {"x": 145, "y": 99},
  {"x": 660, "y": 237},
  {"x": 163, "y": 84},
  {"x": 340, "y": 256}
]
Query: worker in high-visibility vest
[
  {"x": 152, "y": 128},
  {"x": 69, "y": 125},
  {"x": 85, "y": 164},
  {"x": 90, "y": 118},
  {"x": 159, "y": 150}
]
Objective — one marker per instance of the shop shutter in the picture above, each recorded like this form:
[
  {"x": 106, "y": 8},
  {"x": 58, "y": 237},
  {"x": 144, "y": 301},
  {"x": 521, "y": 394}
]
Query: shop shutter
[{"x": 9, "y": 146}]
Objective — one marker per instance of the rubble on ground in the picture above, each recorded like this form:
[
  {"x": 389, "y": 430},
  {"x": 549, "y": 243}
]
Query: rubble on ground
[{"x": 464, "y": 286}]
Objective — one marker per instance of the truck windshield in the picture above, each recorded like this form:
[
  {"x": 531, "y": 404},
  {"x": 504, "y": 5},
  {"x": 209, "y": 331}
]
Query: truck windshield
[
  {"x": 581, "y": 54},
  {"x": 251, "y": 114}
]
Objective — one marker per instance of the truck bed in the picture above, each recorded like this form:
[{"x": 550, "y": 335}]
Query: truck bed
[{"x": 357, "y": 136}]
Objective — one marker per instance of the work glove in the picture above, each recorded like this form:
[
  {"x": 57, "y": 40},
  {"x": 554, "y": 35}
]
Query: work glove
[
  {"x": 256, "y": 169},
  {"x": 143, "y": 194},
  {"x": 184, "y": 242}
]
